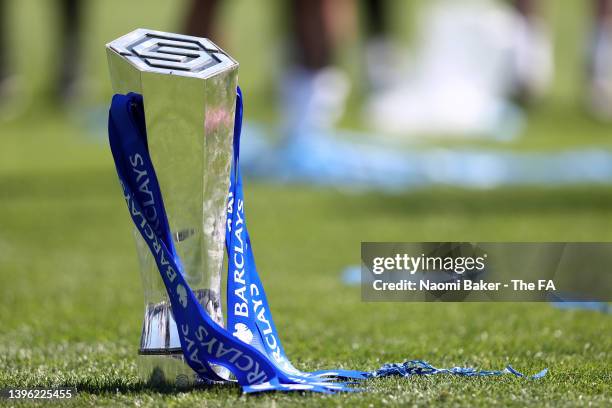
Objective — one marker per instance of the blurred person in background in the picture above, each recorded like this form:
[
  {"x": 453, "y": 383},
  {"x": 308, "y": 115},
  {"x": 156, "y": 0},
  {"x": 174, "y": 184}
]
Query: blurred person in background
[
  {"x": 65, "y": 89},
  {"x": 478, "y": 63},
  {"x": 313, "y": 91},
  {"x": 534, "y": 42},
  {"x": 383, "y": 57},
  {"x": 600, "y": 67},
  {"x": 438, "y": 99},
  {"x": 532, "y": 67},
  {"x": 3, "y": 45},
  {"x": 70, "y": 22},
  {"x": 506, "y": 55}
]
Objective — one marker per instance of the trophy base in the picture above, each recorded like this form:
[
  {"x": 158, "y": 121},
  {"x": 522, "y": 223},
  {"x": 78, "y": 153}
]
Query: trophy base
[
  {"x": 160, "y": 360},
  {"x": 167, "y": 368},
  {"x": 164, "y": 368}
]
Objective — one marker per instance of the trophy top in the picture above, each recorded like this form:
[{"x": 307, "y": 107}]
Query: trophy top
[{"x": 173, "y": 54}]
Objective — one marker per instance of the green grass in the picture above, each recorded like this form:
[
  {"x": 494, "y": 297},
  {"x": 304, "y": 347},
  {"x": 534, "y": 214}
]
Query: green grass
[
  {"x": 70, "y": 296},
  {"x": 71, "y": 303}
]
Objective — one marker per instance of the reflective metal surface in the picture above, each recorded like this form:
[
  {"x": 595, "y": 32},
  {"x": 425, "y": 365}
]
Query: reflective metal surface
[{"x": 189, "y": 90}]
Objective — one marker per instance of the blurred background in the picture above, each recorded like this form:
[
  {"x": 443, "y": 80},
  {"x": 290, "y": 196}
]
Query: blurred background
[
  {"x": 365, "y": 121},
  {"x": 367, "y": 94}
]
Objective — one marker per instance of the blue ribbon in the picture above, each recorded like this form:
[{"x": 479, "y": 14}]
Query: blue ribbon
[
  {"x": 251, "y": 350},
  {"x": 420, "y": 367}
]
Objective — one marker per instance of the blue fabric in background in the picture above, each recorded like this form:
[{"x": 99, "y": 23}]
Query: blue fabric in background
[{"x": 359, "y": 161}]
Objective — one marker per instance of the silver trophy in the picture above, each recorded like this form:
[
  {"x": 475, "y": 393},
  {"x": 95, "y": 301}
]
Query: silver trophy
[{"x": 189, "y": 90}]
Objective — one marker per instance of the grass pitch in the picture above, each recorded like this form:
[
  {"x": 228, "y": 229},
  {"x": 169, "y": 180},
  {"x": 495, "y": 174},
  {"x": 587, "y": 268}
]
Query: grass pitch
[
  {"x": 70, "y": 296},
  {"x": 71, "y": 306}
]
